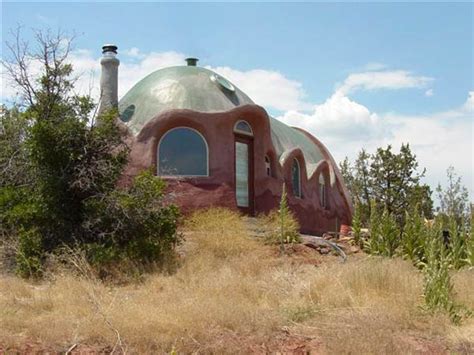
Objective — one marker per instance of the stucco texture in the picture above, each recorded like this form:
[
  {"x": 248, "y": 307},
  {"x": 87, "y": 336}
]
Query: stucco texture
[{"x": 215, "y": 120}]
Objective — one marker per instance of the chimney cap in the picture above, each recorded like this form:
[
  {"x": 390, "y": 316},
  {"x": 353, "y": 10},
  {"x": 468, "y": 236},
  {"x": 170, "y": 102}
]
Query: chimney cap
[
  {"x": 109, "y": 48},
  {"x": 192, "y": 62}
]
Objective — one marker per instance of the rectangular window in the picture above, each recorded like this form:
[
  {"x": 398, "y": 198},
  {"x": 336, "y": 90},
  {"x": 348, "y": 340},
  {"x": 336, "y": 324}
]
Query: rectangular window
[{"x": 242, "y": 174}]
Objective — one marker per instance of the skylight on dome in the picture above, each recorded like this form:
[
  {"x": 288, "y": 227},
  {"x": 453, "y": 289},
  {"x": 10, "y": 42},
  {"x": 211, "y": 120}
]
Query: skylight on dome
[{"x": 224, "y": 83}]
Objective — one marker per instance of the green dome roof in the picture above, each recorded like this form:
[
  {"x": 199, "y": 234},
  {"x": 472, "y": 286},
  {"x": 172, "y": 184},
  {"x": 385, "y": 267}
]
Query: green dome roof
[{"x": 181, "y": 87}]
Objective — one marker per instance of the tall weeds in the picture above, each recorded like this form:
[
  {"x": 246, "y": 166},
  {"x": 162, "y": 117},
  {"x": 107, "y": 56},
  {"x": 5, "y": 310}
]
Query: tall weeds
[{"x": 424, "y": 246}]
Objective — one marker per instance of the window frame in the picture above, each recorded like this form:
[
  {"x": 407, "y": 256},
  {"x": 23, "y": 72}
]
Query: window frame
[
  {"x": 181, "y": 176},
  {"x": 245, "y": 133},
  {"x": 300, "y": 192},
  {"x": 268, "y": 166},
  {"x": 323, "y": 191}
]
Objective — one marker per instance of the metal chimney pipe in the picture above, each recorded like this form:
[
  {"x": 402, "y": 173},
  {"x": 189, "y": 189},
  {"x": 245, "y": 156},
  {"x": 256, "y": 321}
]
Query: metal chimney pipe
[
  {"x": 109, "y": 78},
  {"x": 192, "y": 62}
]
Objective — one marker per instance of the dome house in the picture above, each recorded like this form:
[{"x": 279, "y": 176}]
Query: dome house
[{"x": 215, "y": 147}]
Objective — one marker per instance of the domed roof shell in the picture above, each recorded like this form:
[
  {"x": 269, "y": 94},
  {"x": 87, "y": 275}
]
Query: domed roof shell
[{"x": 180, "y": 87}]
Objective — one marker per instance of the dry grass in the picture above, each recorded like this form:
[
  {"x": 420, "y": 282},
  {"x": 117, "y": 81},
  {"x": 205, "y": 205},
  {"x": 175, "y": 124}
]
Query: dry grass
[{"x": 231, "y": 295}]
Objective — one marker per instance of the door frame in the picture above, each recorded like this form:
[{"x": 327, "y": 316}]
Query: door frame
[{"x": 250, "y": 210}]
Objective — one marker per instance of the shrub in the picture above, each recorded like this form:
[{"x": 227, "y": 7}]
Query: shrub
[
  {"x": 357, "y": 225},
  {"x": 218, "y": 233},
  {"x": 413, "y": 237},
  {"x": 283, "y": 227},
  {"x": 133, "y": 223},
  {"x": 30, "y": 253},
  {"x": 438, "y": 288},
  {"x": 470, "y": 243},
  {"x": 60, "y": 168},
  {"x": 457, "y": 244},
  {"x": 384, "y": 233}
]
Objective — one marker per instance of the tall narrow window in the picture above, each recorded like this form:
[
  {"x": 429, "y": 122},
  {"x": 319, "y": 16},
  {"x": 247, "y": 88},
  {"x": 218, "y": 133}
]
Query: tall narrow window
[
  {"x": 268, "y": 166},
  {"x": 322, "y": 191},
  {"x": 183, "y": 152},
  {"x": 296, "y": 178},
  {"x": 242, "y": 174}
]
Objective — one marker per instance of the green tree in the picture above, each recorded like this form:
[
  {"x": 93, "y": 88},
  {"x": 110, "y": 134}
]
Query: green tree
[
  {"x": 357, "y": 225},
  {"x": 394, "y": 177},
  {"x": 391, "y": 179},
  {"x": 420, "y": 195},
  {"x": 74, "y": 160},
  {"x": 454, "y": 197}
]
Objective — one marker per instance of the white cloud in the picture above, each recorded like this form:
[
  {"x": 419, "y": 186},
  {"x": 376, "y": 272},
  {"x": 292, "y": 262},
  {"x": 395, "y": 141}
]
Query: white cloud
[
  {"x": 133, "y": 52},
  {"x": 344, "y": 125},
  {"x": 267, "y": 88},
  {"x": 439, "y": 140},
  {"x": 373, "y": 80},
  {"x": 336, "y": 119},
  {"x": 87, "y": 67}
]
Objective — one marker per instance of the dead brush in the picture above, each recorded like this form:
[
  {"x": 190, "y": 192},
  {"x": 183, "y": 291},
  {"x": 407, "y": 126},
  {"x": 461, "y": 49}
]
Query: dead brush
[
  {"x": 219, "y": 232},
  {"x": 230, "y": 292}
]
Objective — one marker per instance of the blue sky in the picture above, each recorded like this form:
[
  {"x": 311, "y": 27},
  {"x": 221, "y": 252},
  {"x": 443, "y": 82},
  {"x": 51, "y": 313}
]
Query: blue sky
[{"x": 370, "y": 67}]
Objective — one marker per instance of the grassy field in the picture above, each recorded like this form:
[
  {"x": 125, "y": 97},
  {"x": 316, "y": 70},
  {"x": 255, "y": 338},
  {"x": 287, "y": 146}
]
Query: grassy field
[{"x": 233, "y": 294}]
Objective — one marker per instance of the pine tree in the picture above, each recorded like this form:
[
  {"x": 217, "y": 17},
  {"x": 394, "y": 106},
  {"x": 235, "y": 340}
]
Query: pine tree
[
  {"x": 357, "y": 225},
  {"x": 372, "y": 245}
]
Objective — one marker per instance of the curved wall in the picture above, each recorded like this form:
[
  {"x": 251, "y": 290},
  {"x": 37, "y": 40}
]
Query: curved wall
[{"x": 218, "y": 189}]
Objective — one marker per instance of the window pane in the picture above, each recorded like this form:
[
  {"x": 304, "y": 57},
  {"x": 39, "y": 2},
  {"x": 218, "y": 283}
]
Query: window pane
[
  {"x": 182, "y": 151},
  {"x": 242, "y": 174},
  {"x": 268, "y": 166},
  {"x": 321, "y": 179},
  {"x": 295, "y": 176},
  {"x": 243, "y": 127}
]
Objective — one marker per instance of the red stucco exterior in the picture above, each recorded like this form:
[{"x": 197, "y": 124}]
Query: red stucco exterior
[{"x": 218, "y": 189}]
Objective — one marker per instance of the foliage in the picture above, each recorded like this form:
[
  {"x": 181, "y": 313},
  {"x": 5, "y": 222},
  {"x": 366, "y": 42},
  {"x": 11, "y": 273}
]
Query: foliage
[
  {"x": 470, "y": 241},
  {"x": 14, "y": 163},
  {"x": 218, "y": 233},
  {"x": 454, "y": 198},
  {"x": 30, "y": 253},
  {"x": 357, "y": 225},
  {"x": 384, "y": 233},
  {"x": 391, "y": 179},
  {"x": 132, "y": 223},
  {"x": 357, "y": 179},
  {"x": 413, "y": 244},
  {"x": 457, "y": 247},
  {"x": 423, "y": 244},
  {"x": 62, "y": 165},
  {"x": 438, "y": 288},
  {"x": 283, "y": 226}
]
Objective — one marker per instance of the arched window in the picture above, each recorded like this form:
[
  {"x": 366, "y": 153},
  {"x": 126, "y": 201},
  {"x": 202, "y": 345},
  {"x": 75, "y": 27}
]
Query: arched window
[
  {"x": 296, "y": 178},
  {"x": 268, "y": 166},
  {"x": 243, "y": 127},
  {"x": 322, "y": 191},
  {"x": 183, "y": 152}
]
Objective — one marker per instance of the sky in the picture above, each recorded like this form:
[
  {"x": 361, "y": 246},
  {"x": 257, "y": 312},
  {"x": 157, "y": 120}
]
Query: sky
[{"x": 356, "y": 75}]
